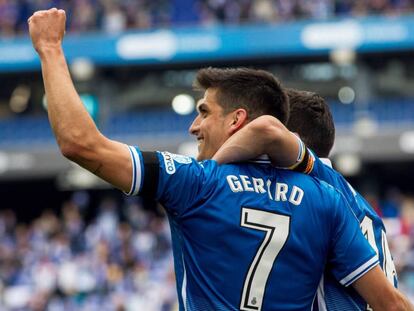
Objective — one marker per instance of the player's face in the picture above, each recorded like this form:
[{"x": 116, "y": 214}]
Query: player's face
[{"x": 211, "y": 126}]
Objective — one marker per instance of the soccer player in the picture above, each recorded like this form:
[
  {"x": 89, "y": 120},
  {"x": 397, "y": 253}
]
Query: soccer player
[
  {"x": 243, "y": 235},
  {"x": 310, "y": 117}
]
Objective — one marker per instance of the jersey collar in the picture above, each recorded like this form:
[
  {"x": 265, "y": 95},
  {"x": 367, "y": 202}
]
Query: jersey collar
[
  {"x": 264, "y": 158},
  {"x": 326, "y": 161}
]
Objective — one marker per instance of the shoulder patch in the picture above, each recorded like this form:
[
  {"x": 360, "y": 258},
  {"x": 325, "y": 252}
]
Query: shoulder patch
[{"x": 181, "y": 159}]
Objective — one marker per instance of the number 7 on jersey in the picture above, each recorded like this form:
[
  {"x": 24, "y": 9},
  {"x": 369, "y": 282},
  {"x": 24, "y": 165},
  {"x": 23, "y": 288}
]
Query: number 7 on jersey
[{"x": 276, "y": 227}]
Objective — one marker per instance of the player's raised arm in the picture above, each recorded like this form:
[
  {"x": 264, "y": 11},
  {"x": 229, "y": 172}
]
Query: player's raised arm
[
  {"x": 263, "y": 135},
  {"x": 76, "y": 134},
  {"x": 379, "y": 293}
]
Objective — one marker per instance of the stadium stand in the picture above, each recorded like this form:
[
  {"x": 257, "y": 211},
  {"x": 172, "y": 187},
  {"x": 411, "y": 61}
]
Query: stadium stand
[
  {"x": 115, "y": 16},
  {"x": 119, "y": 260},
  {"x": 32, "y": 131}
]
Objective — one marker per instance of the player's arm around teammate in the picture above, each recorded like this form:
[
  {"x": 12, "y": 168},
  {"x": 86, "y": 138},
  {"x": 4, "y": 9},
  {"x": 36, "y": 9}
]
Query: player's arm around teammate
[
  {"x": 76, "y": 134},
  {"x": 264, "y": 135}
]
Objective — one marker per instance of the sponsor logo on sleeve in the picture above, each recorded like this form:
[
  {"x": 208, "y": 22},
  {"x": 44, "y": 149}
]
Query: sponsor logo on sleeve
[{"x": 168, "y": 163}]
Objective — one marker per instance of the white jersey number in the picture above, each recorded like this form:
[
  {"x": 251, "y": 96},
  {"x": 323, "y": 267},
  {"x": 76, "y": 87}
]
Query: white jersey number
[
  {"x": 367, "y": 229},
  {"x": 276, "y": 228},
  {"x": 388, "y": 266}
]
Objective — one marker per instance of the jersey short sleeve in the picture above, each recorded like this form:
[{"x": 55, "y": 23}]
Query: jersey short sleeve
[
  {"x": 182, "y": 181},
  {"x": 176, "y": 181},
  {"x": 351, "y": 255}
]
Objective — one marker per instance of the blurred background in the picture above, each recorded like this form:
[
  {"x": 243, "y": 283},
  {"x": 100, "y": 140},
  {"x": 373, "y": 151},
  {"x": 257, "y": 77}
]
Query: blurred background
[{"x": 70, "y": 242}]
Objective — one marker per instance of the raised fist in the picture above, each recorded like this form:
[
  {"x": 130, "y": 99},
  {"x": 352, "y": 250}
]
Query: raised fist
[{"x": 47, "y": 29}]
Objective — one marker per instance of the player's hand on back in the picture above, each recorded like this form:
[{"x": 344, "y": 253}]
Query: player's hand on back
[{"x": 47, "y": 29}]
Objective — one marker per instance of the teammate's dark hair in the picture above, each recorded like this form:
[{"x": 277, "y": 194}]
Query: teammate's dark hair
[
  {"x": 311, "y": 118},
  {"x": 257, "y": 91}
]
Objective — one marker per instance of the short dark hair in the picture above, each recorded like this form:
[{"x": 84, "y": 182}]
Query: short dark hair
[
  {"x": 257, "y": 91},
  {"x": 311, "y": 118}
]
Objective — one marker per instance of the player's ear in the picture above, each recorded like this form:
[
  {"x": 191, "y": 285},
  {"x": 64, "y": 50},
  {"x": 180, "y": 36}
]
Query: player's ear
[{"x": 238, "y": 120}]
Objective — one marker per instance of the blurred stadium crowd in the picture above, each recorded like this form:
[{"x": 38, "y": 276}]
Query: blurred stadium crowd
[
  {"x": 121, "y": 258},
  {"x": 114, "y": 16}
]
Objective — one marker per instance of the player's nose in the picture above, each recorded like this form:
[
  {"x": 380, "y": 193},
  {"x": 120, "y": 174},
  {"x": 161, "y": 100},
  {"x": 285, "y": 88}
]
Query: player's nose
[{"x": 194, "y": 127}]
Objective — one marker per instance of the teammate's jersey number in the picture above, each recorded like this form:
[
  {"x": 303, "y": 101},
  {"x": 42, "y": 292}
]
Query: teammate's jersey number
[
  {"x": 276, "y": 227},
  {"x": 388, "y": 266}
]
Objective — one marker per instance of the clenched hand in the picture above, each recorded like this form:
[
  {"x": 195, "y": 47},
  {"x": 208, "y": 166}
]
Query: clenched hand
[{"x": 47, "y": 29}]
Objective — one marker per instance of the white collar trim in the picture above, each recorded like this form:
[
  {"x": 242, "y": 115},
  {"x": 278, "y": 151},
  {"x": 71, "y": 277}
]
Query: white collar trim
[{"x": 326, "y": 161}]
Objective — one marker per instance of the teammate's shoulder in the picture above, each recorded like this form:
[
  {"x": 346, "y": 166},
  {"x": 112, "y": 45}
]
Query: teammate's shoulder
[
  {"x": 324, "y": 163},
  {"x": 327, "y": 185},
  {"x": 326, "y": 189},
  {"x": 330, "y": 174},
  {"x": 308, "y": 181}
]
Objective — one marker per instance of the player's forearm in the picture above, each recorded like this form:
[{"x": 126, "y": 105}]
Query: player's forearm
[
  {"x": 264, "y": 135},
  {"x": 406, "y": 304},
  {"x": 379, "y": 293},
  {"x": 242, "y": 146},
  {"x": 403, "y": 303},
  {"x": 399, "y": 303},
  {"x": 71, "y": 123}
]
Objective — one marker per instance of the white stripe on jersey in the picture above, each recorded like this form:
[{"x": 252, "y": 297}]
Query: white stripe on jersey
[
  {"x": 184, "y": 288},
  {"x": 321, "y": 295},
  {"x": 352, "y": 189},
  {"x": 136, "y": 172},
  {"x": 356, "y": 274}
]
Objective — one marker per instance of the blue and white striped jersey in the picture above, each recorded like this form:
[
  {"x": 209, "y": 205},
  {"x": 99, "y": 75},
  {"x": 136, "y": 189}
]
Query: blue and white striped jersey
[
  {"x": 249, "y": 236},
  {"x": 332, "y": 296}
]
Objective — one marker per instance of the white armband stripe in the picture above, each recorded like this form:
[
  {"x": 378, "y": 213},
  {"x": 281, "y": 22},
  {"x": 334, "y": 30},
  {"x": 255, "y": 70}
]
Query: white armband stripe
[
  {"x": 136, "y": 171},
  {"x": 356, "y": 274},
  {"x": 301, "y": 154},
  {"x": 133, "y": 173},
  {"x": 141, "y": 171},
  {"x": 301, "y": 150}
]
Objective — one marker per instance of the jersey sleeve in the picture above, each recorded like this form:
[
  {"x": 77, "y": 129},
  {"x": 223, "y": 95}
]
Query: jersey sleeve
[
  {"x": 351, "y": 255},
  {"x": 174, "y": 180}
]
